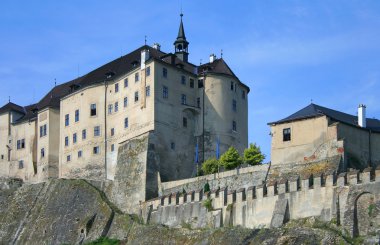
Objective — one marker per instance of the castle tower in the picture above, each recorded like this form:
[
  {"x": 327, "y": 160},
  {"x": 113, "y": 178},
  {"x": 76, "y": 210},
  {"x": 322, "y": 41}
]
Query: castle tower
[{"x": 181, "y": 44}]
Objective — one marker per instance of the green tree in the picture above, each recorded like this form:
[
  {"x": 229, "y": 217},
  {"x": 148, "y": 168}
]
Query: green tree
[
  {"x": 230, "y": 159},
  {"x": 210, "y": 166},
  {"x": 253, "y": 155}
]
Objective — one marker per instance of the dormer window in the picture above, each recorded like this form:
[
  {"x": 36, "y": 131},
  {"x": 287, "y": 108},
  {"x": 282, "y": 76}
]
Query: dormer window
[
  {"x": 74, "y": 87},
  {"x": 135, "y": 63}
]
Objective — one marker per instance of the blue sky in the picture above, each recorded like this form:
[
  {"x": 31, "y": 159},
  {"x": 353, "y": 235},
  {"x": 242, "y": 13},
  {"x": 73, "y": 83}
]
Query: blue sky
[{"x": 288, "y": 52}]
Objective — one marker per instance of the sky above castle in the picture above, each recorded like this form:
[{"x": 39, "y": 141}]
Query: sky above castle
[{"x": 288, "y": 52}]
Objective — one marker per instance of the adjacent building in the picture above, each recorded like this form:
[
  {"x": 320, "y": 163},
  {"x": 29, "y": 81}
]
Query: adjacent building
[
  {"x": 76, "y": 129},
  {"x": 315, "y": 133}
]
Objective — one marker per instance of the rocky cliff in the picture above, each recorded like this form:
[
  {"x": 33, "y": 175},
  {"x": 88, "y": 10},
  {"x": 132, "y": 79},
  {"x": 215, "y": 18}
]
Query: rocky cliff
[{"x": 77, "y": 212}]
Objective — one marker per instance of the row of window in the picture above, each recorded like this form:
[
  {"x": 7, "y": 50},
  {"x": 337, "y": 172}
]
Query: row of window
[
  {"x": 111, "y": 108},
  {"x": 137, "y": 78},
  {"x": 95, "y": 151},
  {"x": 96, "y": 133}
]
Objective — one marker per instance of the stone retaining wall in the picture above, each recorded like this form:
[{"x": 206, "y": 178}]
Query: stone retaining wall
[{"x": 261, "y": 205}]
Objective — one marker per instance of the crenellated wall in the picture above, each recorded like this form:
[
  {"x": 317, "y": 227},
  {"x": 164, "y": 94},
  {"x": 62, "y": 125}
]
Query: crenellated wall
[{"x": 265, "y": 205}]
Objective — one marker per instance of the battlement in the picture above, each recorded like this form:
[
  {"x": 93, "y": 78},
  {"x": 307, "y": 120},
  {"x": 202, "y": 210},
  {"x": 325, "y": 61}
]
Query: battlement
[{"x": 254, "y": 206}]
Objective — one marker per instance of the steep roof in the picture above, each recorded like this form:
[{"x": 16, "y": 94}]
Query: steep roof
[
  {"x": 219, "y": 66},
  {"x": 314, "y": 110},
  {"x": 119, "y": 67},
  {"x": 11, "y": 107},
  {"x": 181, "y": 37}
]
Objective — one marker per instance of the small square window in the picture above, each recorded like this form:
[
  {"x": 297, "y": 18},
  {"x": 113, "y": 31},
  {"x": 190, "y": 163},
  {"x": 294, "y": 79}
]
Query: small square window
[
  {"x": 22, "y": 143},
  {"x": 110, "y": 108},
  {"x": 148, "y": 71},
  {"x": 183, "y": 80},
  {"x": 172, "y": 145},
  {"x": 191, "y": 83},
  {"x": 84, "y": 134},
  {"x": 136, "y": 96},
  {"x": 165, "y": 92},
  {"x": 147, "y": 91},
  {"x": 126, "y": 122},
  {"x": 68, "y": 158},
  {"x": 42, "y": 152},
  {"x": 97, "y": 131},
  {"x": 126, "y": 83},
  {"x": 125, "y": 101},
  {"x": 2, "y": 157},
  {"x": 116, "y": 106},
  {"x": 66, "y": 141},
  {"x": 112, "y": 147},
  {"x": 112, "y": 131},
  {"x": 43, "y": 130},
  {"x": 286, "y": 134},
  {"x": 232, "y": 85},
  {"x": 199, "y": 102},
  {"x": 79, "y": 154},
  {"x": 183, "y": 99},
  {"x": 21, "y": 164},
  {"x": 234, "y": 105},
  {"x": 93, "y": 110},
  {"x": 116, "y": 87},
  {"x": 67, "y": 120},
  {"x": 184, "y": 122},
  {"x": 164, "y": 72},
  {"x": 96, "y": 150},
  {"x": 74, "y": 138},
  {"x": 137, "y": 77},
  {"x": 233, "y": 125},
  {"x": 200, "y": 83},
  {"x": 76, "y": 115}
]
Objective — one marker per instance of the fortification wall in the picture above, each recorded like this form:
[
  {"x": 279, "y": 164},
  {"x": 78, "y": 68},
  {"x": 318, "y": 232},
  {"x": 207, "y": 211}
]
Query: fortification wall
[
  {"x": 234, "y": 179},
  {"x": 326, "y": 197}
]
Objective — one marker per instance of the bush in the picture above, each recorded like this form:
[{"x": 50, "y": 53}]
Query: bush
[
  {"x": 208, "y": 205},
  {"x": 231, "y": 159},
  {"x": 210, "y": 166},
  {"x": 253, "y": 155}
]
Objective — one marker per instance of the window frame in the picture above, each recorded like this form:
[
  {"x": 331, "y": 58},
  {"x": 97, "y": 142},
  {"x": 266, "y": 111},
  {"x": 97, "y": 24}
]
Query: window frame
[
  {"x": 77, "y": 115},
  {"x": 97, "y": 131},
  {"x": 67, "y": 120},
  {"x": 165, "y": 92},
  {"x": 93, "y": 110},
  {"x": 286, "y": 134}
]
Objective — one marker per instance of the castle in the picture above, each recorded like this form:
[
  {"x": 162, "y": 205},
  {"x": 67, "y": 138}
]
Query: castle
[
  {"x": 138, "y": 127},
  {"x": 75, "y": 130}
]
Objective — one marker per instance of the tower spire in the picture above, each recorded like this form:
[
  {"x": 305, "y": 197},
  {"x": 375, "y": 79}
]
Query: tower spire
[{"x": 181, "y": 44}]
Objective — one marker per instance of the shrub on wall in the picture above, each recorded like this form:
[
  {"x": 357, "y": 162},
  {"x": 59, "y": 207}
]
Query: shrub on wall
[
  {"x": 253, "y": 155},
  {"x": 210, "y": 166},
  {"x": 230, "y": 159}
]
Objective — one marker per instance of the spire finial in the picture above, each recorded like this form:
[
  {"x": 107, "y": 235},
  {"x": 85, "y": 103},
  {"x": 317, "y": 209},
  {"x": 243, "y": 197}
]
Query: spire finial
[
  {"x": 145, "y": 39},
  {"x": 55, "y": 82},
  {"x": 181, "y": 11},
  {"x": 221, "y": 53},
  {"x": 9, "y": 99}
]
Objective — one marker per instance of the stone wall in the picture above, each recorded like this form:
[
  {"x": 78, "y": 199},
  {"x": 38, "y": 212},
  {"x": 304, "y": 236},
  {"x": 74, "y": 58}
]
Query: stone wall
[
  {"x": 237, "y": 178},
  {"x": 328, "y": 197}
]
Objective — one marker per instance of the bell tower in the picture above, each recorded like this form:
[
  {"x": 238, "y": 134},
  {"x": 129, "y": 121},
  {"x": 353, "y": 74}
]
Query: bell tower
[{"x": 181, "y": 44}]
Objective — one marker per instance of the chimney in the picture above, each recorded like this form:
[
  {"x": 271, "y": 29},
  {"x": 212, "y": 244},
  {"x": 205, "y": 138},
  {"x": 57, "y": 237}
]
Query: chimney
[
  {"x": 144, "y": 57},
  {"x": 212, "y": 58},
  {"x": 157, "y": 46},
  {"x": 362, "y": 116}
]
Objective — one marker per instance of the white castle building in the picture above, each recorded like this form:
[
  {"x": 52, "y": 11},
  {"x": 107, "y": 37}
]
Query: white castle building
[{"x": 76, "y": 129}]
